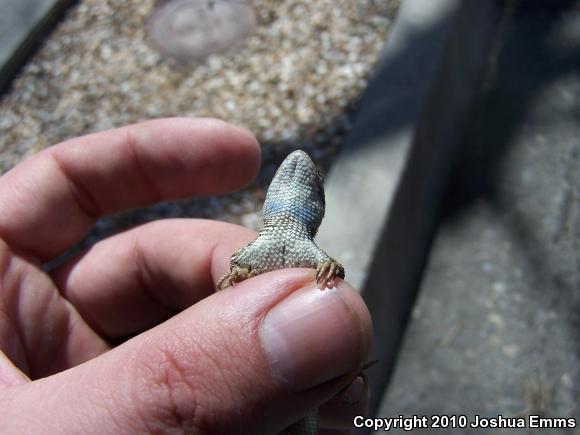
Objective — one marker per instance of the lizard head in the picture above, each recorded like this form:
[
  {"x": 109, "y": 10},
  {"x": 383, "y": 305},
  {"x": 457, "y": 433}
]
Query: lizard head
[{"x": 296, "y": 193}]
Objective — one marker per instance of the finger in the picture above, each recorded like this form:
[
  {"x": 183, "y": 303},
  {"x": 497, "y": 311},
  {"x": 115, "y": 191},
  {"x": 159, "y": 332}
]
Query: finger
[
  {"x": 40, "y": 332},
  {"x": 10, "y": 375},
  {"x": 256, "y": 357},
  {"x": 51, "y": 200},
  {"x": 132, "y": 281}
]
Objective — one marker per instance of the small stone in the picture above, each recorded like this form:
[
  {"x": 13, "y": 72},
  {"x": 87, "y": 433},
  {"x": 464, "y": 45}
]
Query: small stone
[
  {"x": 499, "y": 287},
  {"x": 510, "y": 350}
]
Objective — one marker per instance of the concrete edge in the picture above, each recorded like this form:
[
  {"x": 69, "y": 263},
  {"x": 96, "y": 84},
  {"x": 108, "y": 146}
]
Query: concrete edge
[
  {"x": 384, "y": 191},
  {"x": 30, "y": 42}
]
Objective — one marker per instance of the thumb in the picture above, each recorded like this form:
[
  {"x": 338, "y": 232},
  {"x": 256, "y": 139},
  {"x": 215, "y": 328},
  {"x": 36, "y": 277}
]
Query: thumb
[{"x": 250, "y": 359}]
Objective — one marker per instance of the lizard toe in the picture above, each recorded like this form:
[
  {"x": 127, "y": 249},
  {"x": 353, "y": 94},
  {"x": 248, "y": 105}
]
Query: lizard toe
[
  {"x": 237, "y": 274},
  {"x": 326, "y": 272},
  {"x": 224, "y": 281}
]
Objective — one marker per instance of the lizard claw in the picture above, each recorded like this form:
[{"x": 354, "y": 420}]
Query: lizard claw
[
  {"x": 236, "y": 274},
  {"x": 326, "y": 273},
  {"x": 224, "y": 281}
]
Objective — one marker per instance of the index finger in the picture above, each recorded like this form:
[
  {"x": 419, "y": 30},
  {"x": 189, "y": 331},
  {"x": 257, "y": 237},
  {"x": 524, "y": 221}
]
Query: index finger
[{"x": 50, "y": 201}]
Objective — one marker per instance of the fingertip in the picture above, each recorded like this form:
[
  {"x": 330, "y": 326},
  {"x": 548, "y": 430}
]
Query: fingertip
[
  {"x": 193, "y": 146},
  {"x": 235, "y": 148},
  {"x": 313, "y": 335},
  {"x": 243, "y": 149},
  {"x": 360, "y": 312}
]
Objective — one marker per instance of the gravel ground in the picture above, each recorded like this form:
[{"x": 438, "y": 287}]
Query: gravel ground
[{"x": 295, "y": 83}]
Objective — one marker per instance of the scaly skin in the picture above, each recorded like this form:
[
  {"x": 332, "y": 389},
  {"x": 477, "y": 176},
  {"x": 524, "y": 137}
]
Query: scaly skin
[{"x": 293, "y": 211}]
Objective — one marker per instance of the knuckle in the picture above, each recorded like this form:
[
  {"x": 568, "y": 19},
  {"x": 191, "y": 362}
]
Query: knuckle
[
  {"x": 165, "y": 393},
  {"x": 179, "y": 387}
]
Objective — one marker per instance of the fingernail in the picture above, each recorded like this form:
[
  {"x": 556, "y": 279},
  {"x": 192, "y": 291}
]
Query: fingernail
[{"x": 315, "y": 335}]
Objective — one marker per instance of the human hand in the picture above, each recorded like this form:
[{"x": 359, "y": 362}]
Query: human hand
[{"x": 250, "y": 359}]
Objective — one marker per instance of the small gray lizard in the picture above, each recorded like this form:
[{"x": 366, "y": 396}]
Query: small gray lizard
[{"x": 293, "y": 211}]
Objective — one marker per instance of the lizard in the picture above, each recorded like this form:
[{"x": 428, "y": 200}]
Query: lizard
[{"x": 292, "y": 212}]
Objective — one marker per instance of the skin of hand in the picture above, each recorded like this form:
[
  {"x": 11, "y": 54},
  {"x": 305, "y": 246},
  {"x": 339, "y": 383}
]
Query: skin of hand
[{"x": 249, "y": 359}]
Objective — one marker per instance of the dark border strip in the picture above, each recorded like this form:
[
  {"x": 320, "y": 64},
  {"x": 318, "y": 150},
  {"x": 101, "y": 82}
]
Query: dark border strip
[{"x": 31, "y": 42}]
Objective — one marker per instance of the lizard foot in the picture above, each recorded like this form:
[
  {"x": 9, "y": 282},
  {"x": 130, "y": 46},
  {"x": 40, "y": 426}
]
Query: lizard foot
[
  {"x": 236, "y": 274},
  {"x": 327, "y": 271}
]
